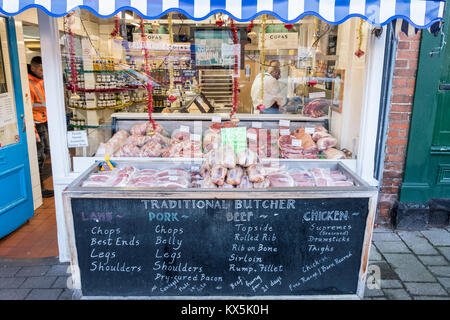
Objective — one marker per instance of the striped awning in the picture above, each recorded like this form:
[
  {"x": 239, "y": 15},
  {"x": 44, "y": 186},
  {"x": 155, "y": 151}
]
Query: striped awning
[{"x": 419, "y": 13}]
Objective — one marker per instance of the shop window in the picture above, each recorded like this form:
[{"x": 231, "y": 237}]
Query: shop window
[{"x": 174, "y": 72}]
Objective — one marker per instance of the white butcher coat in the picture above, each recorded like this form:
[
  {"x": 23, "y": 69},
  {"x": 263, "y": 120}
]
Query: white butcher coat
[{"x": 272, "y": 92}]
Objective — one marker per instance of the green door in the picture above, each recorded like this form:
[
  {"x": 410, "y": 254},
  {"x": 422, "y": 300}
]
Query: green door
[{"x": 427, "y": 169}]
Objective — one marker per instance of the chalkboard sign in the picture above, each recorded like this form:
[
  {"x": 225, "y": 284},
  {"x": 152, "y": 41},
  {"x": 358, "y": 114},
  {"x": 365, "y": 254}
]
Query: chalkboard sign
[{"x": 216, "y": 247}]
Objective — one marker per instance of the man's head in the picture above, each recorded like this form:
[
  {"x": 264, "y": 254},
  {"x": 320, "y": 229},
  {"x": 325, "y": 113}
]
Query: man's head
[
  {"x": 36, "y": 67},
  {"x": 274, "y": 69}
]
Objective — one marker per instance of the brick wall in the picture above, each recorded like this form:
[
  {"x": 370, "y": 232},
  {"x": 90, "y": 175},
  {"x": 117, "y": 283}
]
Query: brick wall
[{"x": 399, "y": 120}]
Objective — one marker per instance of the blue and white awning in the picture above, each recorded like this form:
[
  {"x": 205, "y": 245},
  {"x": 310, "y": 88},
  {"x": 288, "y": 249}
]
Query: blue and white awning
[{"x": 419, "y": 13}]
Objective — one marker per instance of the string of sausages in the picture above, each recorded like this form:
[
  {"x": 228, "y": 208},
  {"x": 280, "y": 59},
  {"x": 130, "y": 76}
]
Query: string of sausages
[
  {"x": 73, "y": 66},
  {"x": 148, "y": 85},
  {"x": 236, "y": 69}
]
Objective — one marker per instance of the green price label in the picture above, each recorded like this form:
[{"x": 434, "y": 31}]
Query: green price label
[{"x": 235, "y": 137}]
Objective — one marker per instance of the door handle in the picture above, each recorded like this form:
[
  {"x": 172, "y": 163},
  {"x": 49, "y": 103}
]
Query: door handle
[
  {"x": 444, "y": 86},
  {"x": 24, "y": 128}
]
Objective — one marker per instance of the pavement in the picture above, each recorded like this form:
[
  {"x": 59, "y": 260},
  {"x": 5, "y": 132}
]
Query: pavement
[{"x": 403, "y": 265}]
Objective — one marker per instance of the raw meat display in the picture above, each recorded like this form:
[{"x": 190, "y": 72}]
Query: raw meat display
[
  {"x": 211, "y": 139},
  {"x": 282, "y": 142},
  {"x": 223, "y": 155},
  {"x": 255, "y": 176},
  {"x": 326, "y": 142},
  {"x": 129, "y": 150},
  {"x": 246, "y": 158},
  {"x": 139, "y": 129},
  {"x": 256, "y": 173},
  {"x": 316, "y": 108},
  {"x": 291, "y": 150},
  {"x": 281, "y": 180},
  {"x": 151, "y": 149},
  {"x": 234, "y": 176},
  {"x": 218, "y": 174},
  {"x": 245, "y": 183},
  {"x": 262, "y": 185},
  {"x": 113, "y": 144},
  {"x": 335, "y": 154},
  {"x": 178, "y": 135}
]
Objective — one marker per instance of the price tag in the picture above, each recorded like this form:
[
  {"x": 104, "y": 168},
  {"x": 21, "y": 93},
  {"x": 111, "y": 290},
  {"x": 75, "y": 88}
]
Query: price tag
[
  {"x": 285, "y": 123},
  {"x": 256, "y": 125},
  {"x": 251, "y": 136},
  {"x": 172, "y": 178},
  {"x": 315, "y": 95},
  {"x": 285, "y": 132},
  {"x": 195, "y": 137},
  {"x": 216, "y": 119},
  {"x": 309, "y": 130},
  {"x": 184, "y": 128},
  {"x": 296, "y": 142},
  {"x": 172, "y": 172}
]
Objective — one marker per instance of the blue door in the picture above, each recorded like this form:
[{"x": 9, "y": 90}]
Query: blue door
[{"x": 16, "y": 199}]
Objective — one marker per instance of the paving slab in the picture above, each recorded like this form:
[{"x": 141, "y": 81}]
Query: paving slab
[
  {"x": 13, "y": 294},
  {"x": 425, "y": 289},
  {"x": 440, "y": 271},
  {"x": 33, "y": 271},
  {"x": 44, "y": 294},
  {"x": 408, "y": 267},
  {"x": 386, "y": 272},
  {"x": 433, "y": 260},
  {"x": 391, "y": 284},
  {"x": 373, "y": 293},
  {"x": 38, "y": 282},
  {"x": 374, "y": 254},
  {"x": 438, "y": 237},
  {"x": 445, "y": 251},
  {"x": 430, "y": 298},
  {"x": 391, "y": 247},
  {"x": 7, "y": 271},
  {"x": 417, "y": 242},
  {"x": 397, "y": 294},
  {"x": 445, "y": 282},
  {"x": 385, "y": 236},
  {"x": 59, "y": 270},
  {"x": 60, "y": 283},
  {"x": 382, "y": 229},
  {"x": 11, "y": 282}
]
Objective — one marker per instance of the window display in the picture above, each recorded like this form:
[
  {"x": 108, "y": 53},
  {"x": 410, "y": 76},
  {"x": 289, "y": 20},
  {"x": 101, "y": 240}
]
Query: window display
[{"x": 155, "y": 69}]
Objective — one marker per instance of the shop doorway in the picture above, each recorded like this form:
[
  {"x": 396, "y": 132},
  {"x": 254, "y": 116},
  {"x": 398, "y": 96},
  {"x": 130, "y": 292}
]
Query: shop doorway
[
  {"x": 16, "y": 202},
  {"x": 32, "y": 232}
]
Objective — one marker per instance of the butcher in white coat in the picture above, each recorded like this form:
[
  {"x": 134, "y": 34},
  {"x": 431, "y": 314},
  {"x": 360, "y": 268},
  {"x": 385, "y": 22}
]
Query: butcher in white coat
[{"x": 273, "y": 97}]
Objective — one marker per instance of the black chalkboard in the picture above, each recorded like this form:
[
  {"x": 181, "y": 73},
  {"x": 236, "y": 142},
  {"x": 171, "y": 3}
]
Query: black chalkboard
[{"x": 271, "y": 247}]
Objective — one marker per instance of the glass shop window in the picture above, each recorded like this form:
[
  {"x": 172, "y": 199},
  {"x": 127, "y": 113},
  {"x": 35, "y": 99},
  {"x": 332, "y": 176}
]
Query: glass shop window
[{"x": 173, "y": 65}]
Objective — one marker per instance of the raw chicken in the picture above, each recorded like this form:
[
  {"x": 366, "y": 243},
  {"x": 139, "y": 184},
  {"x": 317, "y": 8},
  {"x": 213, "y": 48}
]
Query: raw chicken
[
  {"x": 245, "y": 183},
  {"x": 256, "y": 173},
  {"x": 224, "y": 156},
  {"x": 218, "y": 174},
  {"x": 234, "y": 176},
  {"x": 262, "y": 185},
  {"x": 246, "y": 158}
]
